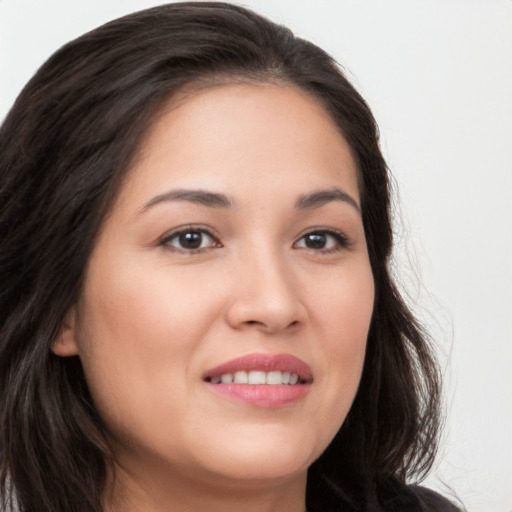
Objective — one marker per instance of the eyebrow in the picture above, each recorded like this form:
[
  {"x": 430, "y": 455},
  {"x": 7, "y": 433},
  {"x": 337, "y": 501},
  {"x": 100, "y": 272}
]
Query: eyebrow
[
  {"x": 202, "y": 197},
  {"x": 217, "y": 200},
  {"x": 322, "y": 197}
]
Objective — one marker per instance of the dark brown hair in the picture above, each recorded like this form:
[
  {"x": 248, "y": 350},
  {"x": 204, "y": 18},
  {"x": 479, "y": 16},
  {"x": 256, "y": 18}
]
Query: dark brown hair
[{"x": 64, "y": 149}]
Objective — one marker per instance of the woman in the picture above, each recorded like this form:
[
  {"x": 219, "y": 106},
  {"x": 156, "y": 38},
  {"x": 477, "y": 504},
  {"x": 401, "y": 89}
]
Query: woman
[{"x": 197, "y": 310}]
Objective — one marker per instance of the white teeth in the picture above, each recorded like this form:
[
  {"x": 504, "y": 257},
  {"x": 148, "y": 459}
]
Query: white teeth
[
  {"x": 241, "y": 378},
  {"x": 274, "y": 378},
  {"x": 257, "y": 378}
]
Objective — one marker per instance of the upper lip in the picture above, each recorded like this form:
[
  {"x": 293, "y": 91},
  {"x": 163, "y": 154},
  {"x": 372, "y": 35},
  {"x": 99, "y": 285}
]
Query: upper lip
[{"x": 265, "y": 363}]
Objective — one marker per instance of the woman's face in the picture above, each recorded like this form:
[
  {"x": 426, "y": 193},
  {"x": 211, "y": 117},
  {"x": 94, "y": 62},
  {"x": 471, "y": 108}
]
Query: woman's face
[{"x": 235, "y": 250}]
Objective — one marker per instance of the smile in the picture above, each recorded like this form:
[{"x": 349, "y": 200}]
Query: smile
[
  {"x": 273, "y": 378},
  {"x": 261, "y": 380}
]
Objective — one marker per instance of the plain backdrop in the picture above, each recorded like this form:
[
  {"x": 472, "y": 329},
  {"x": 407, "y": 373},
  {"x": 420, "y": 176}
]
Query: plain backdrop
[{"x": 438, "y": 76}]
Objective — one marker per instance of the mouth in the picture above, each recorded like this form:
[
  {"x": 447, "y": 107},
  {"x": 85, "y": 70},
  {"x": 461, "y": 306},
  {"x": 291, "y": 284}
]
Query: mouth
[
  {"x": 261, "y": 379},
  {"x": 255, "y": 377},
  {"x": 262, "y": 369}
]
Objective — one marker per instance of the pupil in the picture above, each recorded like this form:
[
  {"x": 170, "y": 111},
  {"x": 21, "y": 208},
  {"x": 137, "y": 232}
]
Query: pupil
[
  {"x": 315, "y": 241},
  {"x": 191, "y": 240}
]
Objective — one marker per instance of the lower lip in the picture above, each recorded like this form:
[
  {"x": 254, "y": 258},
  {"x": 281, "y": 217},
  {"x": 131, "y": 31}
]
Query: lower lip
[{"x": 262, "y": 395}]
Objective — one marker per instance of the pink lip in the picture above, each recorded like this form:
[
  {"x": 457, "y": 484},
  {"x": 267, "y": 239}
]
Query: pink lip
[
  {"x": 263, "y": 362},
  {"x": 262, "y": 395}
]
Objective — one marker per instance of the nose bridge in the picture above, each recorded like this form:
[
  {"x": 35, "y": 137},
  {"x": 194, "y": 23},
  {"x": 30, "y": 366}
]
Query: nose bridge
[
  {"x": 272, "y": 277},
  {"x": 265, "y": 293}
]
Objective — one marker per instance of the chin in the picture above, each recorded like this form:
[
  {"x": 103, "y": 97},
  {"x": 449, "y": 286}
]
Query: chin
[{"x": 261, "y": 454}]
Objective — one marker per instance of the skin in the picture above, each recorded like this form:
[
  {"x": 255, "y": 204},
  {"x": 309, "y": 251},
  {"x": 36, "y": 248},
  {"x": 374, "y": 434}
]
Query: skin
[{"x": 155, "y": 316}]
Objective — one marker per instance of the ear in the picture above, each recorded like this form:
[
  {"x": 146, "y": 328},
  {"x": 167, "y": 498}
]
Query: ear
[{"x": 65, "y": 345}]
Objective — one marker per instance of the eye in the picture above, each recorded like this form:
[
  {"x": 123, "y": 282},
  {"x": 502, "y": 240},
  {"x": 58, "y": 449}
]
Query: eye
[
  {"x": 323, "y": 241},
  {"x": 190, "y": 240}
]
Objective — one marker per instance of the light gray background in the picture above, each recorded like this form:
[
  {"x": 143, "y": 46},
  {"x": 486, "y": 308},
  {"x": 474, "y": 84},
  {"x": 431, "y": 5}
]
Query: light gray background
[{"x": 438, "y": 76}]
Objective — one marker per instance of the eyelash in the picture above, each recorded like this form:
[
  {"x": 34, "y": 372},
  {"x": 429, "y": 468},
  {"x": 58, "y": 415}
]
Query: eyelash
[
  {"x": 342, "y": 242},
  {"x": 165, "y": 242}
]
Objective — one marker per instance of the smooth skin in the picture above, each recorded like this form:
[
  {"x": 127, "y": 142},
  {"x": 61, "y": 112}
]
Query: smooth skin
[{"x": 271, "y": 260}]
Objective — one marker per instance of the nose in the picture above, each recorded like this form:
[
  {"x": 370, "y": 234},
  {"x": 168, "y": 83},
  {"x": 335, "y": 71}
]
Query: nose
[{"x": 266, "y": 296}]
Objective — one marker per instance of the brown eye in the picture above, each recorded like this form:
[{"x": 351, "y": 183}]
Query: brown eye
[
  {"x": 315, "y": 241},
  {"x": 191, "y": 240},
  {"x": 322, "y": 241}
]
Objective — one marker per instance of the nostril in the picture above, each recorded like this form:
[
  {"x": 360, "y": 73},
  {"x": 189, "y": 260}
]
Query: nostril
[{"x": 269, "y": 316}]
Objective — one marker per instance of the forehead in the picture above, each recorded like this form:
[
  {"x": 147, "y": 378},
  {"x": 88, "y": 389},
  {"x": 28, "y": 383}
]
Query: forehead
[{"x": 249, "y": 133}]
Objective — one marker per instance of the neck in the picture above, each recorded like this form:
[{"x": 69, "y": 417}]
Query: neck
[{"x": 143, "y": 492}]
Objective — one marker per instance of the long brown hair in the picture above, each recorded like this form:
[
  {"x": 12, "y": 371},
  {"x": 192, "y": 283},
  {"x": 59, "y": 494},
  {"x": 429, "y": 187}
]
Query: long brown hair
[{"x": 64, "y": 149}]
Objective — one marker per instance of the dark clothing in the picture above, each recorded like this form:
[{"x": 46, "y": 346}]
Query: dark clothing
[{"x": 392, "y": 496}]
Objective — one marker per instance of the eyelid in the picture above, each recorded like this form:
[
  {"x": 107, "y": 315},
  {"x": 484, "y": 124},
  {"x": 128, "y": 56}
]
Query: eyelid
[
  {"x": 164, "y": 240},
  {"x": 343, "y": 240}
]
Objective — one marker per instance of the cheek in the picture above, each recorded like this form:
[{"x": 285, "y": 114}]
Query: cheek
[
  {"x": 142, "y": 308},
  {"x": 343, "y": 306},
  {"x": 134, "y": 333},
  {"x": 343, "y": 315}
]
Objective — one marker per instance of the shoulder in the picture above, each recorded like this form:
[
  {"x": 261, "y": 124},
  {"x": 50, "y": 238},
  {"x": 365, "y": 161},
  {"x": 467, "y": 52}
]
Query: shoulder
[
  {"x": 433, "y": 501},
  {"x": 398, "y": 497},
  {"x": 391, "y": 496}
]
